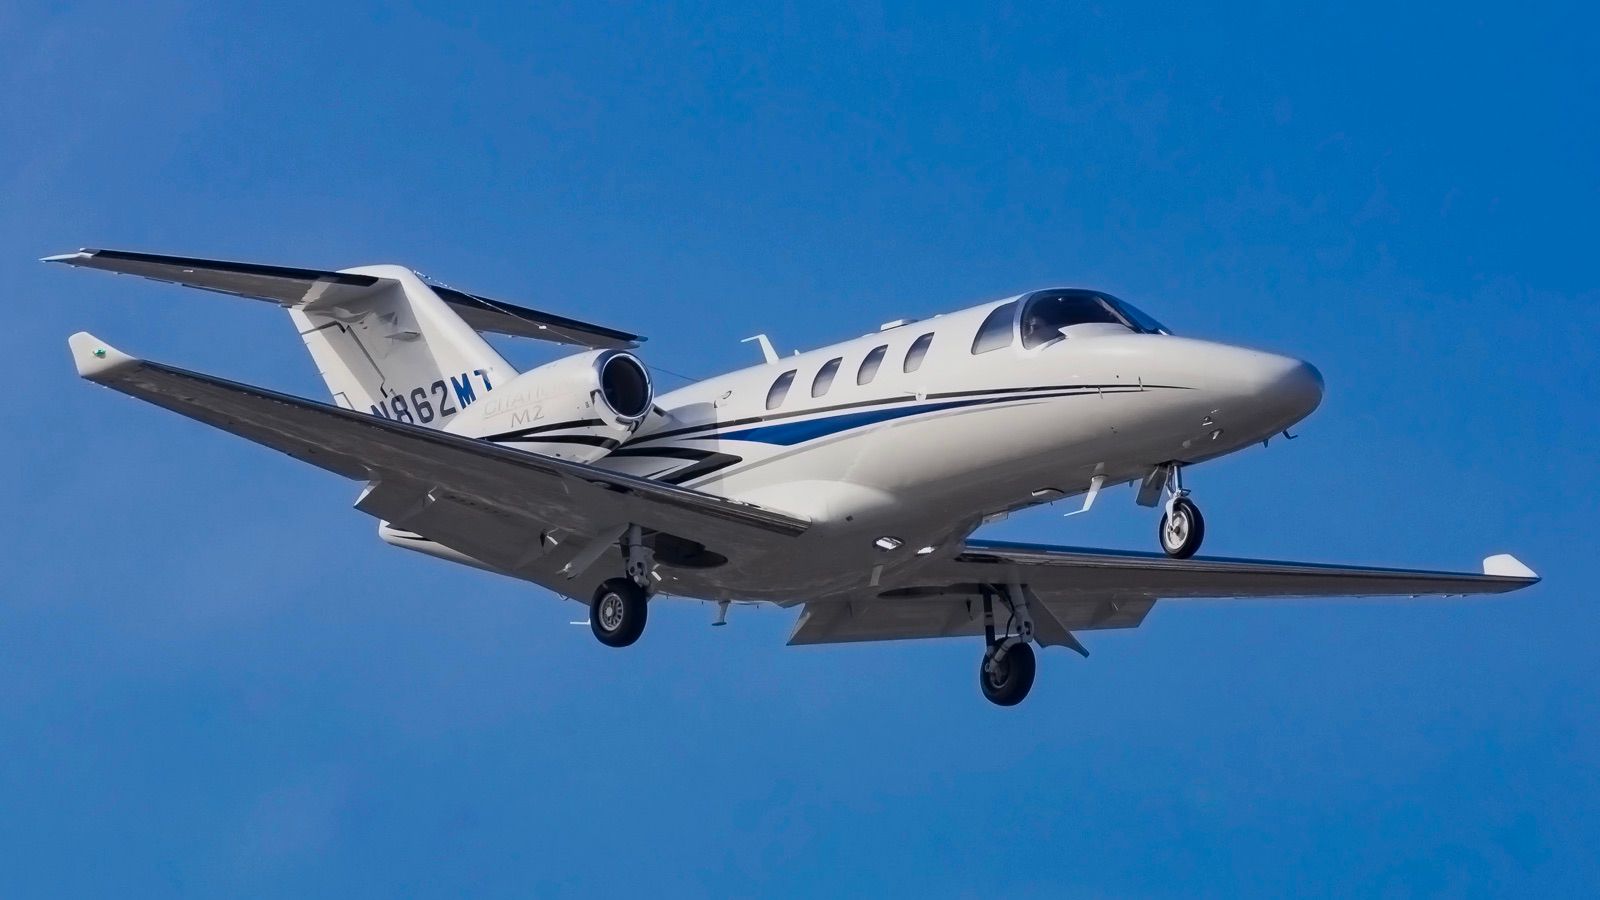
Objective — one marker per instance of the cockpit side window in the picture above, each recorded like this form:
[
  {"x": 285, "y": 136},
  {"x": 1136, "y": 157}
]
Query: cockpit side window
[
  {"x": 1050, "y": 311},
  {"x": 869, "y": 365},
  {"x": 995, "y": 332},
  {"x": 779, "y": 389},
  {"x": 824, "y": 379},
  {"x": 919, "y": 349}
]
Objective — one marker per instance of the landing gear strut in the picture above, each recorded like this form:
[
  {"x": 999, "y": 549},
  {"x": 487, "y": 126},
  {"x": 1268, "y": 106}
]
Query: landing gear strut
[
  {"x": 1182, "y": 527},
  {"x": 1006, "y": 675}
]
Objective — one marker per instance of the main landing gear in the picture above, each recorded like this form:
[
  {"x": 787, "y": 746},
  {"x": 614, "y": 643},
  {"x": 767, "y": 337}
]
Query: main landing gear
[
  {"x": 621, "y": 606},
  {"x": 1006, "y": 675},
  {"x": 1182, "y": 527},
  {"x": 618, "y": 612}
]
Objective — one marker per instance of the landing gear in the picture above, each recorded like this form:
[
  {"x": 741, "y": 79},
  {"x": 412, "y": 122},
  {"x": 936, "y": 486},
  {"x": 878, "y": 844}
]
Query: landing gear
[
  {"x": 620, "y": 606},
  {"x": 1006, "y": 681},
  {"x": 1182, "y": 527},
  {"x": 618, "y": 611},
  {"x": 1006, "y": 675}
]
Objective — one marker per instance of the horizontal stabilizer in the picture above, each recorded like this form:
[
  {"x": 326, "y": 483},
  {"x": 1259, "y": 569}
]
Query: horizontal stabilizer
[{"x": 315, "y": 289}]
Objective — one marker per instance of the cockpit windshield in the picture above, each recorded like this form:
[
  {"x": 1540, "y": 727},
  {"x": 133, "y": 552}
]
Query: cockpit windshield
[
  {"x": 1138, "y": 318},
  {"x": 1047, "y": 312}
]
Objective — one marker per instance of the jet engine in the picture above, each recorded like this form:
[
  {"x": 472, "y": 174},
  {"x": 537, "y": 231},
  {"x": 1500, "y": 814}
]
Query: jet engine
[{"x": 578, "y": 408}]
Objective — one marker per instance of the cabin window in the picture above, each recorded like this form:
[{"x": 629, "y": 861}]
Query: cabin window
[
  {"x": 779, "y": 389},
  {"x": 824, "y": 379},
  {"x": 869, "y": 365},
  {"x": 996, "y": 331},
  {"x": 919, "y": 349},
  {"x": 1048, "y": 312}
]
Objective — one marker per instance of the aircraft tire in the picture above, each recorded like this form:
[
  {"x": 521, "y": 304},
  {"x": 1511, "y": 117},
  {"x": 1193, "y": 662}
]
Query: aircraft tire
[
  {"x": 618, "y": 611},
  {"x": 1011, "y": 684},
  {"x": 1182, "y": 529}
]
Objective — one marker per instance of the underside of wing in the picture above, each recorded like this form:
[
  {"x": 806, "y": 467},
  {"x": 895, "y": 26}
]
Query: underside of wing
[
  {"x": 1094, "y": 589},
  {"x": 1066, "y": 571},
  {"x": 415, "y": 468},
  {"x": 319, "y": 289}
]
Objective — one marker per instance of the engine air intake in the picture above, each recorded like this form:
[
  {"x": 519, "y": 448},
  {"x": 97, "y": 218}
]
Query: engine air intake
[{"x": 625, "y": 386}]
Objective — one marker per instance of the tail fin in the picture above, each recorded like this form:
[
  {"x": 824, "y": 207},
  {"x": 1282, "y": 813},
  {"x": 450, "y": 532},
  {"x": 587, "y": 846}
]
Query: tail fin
[
  {"x": 384, "y": 340},
  {"x": 399, "y": 351}
]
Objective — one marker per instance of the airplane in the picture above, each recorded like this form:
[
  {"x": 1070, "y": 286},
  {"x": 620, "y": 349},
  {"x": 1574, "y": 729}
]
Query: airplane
[{"x": 846, "y": 480}]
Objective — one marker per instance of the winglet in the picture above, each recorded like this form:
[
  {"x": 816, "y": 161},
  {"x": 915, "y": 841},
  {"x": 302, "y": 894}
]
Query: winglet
[
  {"x": 95, "y": 358},
  {"x": 1504, "y": 565}
]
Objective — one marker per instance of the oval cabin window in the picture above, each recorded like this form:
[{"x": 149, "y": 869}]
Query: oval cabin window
[
  {"x": 869, "y": 365},
  {"x": 919, "y": 349},
  {"x": 779, "y": 389},
  {"x": 824, "y": 379}
]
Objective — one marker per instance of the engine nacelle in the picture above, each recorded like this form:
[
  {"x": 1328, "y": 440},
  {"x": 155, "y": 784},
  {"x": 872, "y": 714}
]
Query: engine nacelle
[{"x": 577, "y": 408}]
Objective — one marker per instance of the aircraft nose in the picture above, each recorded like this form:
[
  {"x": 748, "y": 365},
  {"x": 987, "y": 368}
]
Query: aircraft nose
[{"x": 1291, "y": 385}]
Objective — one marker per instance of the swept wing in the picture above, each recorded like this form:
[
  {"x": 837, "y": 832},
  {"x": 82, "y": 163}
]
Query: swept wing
[{"x": 1084, "y": 589}]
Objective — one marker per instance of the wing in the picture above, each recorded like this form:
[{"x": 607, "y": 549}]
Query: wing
[
  {"x": 439, "y": 483},
  {"x": 1091, "y": 589},
  {"x": 314, "y": 288}
]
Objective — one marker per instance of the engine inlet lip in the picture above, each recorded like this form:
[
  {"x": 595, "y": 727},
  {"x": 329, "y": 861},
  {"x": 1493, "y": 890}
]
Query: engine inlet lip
[{"x": 625, "y": 386}]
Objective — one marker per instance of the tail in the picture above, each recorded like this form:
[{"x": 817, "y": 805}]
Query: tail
[
  {"x": 385, "y": 341},
  {"x": 399, "y": 351}
]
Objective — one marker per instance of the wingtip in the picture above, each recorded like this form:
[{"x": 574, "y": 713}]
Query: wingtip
[
  {"x": 1504, "y": 565},
  {"x": 74, "y": 256},
  {"x": 95, "y": 358}
]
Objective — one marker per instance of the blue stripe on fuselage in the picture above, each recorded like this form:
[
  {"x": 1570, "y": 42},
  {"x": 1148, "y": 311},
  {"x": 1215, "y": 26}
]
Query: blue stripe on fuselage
[{"x": 788, "y": 434}]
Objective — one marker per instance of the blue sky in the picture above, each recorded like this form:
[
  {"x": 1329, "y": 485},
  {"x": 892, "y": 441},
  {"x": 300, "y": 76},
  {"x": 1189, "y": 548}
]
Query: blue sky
[{"x": 215, "y": 681}]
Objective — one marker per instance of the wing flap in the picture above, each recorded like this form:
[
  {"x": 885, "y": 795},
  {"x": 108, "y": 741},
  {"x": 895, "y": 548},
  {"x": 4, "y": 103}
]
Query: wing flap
[
  {"x": 473, "y": 472},
  {"x": 828, "y": 622}
]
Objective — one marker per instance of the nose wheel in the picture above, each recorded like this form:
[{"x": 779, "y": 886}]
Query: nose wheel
[{"x": 1182, "y": 527}]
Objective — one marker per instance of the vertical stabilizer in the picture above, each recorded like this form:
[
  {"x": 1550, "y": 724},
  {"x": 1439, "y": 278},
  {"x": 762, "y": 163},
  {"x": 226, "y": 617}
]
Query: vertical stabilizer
[{"x": 400, "y": 352}]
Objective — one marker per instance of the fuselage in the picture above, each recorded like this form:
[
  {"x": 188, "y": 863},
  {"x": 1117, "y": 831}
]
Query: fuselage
[{"x": 921, "y": 431}]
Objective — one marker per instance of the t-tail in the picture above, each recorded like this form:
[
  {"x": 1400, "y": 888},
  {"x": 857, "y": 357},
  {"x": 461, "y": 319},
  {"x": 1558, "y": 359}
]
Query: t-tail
[{"x": 385, "y": 341}]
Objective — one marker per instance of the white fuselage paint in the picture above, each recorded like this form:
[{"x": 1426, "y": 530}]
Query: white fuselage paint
[{"x": 926, "y": 456}]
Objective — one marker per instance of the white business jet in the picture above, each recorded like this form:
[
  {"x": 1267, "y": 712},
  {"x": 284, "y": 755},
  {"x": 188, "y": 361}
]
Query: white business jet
[{"x": 845, "y": 480}]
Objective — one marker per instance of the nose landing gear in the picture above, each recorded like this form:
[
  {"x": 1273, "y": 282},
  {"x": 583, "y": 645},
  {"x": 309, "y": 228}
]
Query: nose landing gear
[{"x": 1182, "y": 527}]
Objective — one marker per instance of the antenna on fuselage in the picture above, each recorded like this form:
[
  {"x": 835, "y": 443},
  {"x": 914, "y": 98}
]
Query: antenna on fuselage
[{"x": 770, "y": 354}]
